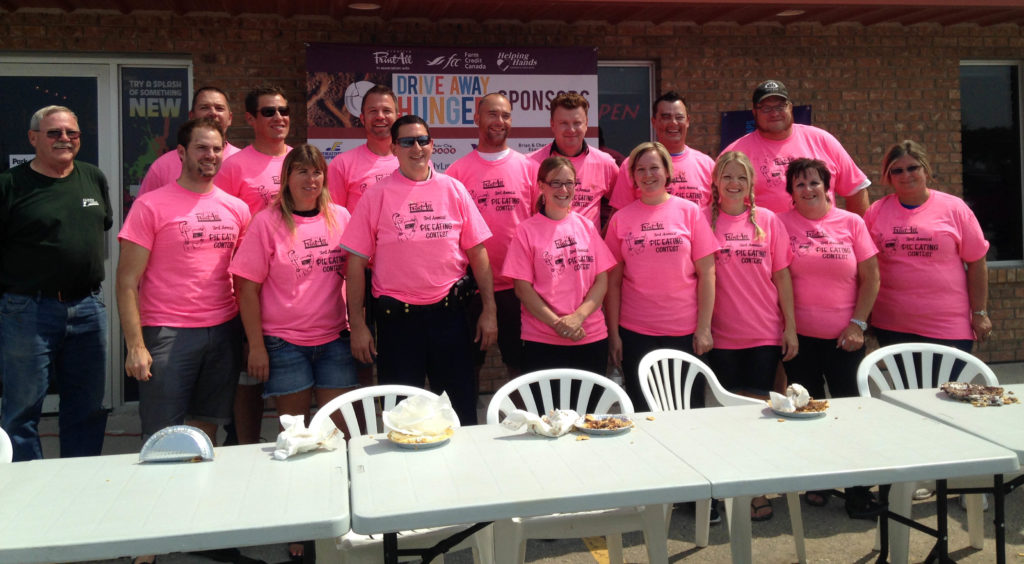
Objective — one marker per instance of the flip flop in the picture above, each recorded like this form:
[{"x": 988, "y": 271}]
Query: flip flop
[
  {"x": 756, "y": 507},
  {"x": 816, "y": 498}
]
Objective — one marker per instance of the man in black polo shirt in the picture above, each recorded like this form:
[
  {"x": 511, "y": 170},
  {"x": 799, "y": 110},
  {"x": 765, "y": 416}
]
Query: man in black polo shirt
[{"x": 53, "y": 325}]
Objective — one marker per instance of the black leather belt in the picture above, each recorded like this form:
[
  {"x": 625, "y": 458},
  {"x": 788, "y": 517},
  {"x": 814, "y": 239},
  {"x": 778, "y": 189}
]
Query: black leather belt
[{"x": 63, "y": 295}]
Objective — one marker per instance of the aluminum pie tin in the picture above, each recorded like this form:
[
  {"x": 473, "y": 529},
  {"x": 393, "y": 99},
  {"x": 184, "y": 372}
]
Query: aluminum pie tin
[{"x": 177, "y": 443}]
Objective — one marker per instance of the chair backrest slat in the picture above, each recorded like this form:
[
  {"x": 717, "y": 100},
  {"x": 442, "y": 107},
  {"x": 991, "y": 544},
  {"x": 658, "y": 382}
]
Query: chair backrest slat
[
  {"x": 521, "y": 391},
  {"x": 667, "y": 378},
  {"x": 938, "y": 364},
  {"x": 366, "y": 400}
]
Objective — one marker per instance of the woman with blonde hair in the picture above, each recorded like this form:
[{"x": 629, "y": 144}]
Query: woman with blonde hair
[
  {"x": 754, "y": 325},
  {"x": 664, "y": 238}
]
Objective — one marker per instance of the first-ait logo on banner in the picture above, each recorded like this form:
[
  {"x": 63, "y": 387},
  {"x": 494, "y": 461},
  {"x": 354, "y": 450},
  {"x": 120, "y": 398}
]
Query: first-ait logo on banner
[{"x": 442, "y": 85}]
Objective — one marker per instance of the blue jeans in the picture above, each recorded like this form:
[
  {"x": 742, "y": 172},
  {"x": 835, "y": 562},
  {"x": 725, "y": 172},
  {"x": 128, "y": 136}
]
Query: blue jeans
[
  {"x": 294, "y": 368},
  {"x": 46, "y": 340}
]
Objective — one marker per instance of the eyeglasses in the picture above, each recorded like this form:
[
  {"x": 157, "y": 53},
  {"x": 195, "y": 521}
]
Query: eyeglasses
[
  {"x": 269, "y": 111},
  {"x": 910, "y": 170},
  {"x": 58, "y": 133},
  {"x": 406, "y": 142},
  {"x": 777, "y": 109},
  {"x": 558, "y": 184}
]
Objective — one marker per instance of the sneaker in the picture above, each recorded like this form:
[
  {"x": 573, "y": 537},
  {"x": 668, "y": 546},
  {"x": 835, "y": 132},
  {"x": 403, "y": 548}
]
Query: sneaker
[
  {"x": 715, "y": 517},
  {"x": 923, "y": 493},
  {"x": 984, "y": 502}
]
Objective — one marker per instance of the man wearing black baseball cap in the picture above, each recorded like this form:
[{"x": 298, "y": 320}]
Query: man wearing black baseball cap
[{"x": 777, "y": 141}]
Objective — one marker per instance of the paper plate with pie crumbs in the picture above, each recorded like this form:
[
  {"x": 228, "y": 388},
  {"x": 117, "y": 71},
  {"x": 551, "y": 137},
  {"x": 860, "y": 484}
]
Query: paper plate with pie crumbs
[{"x": 604, "y": 424}]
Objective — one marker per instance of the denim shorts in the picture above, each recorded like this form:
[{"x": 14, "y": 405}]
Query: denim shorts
[{"x": 294, "y": 368}]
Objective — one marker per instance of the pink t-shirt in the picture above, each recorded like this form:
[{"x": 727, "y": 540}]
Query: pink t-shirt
[
  {"x": 595, "y": 176},
  {"x": 166, "y": 169},
  {"x": 504, "y": 191},
  {"x": 355, "y": 170},
  {"x": 747, "y": 312},
  {"x": 302, "y": 299},
  {"x": 417, "y": 234},
  {"x": 770, "y": 159},
  {"x": 826, "y": 252},
  {"x": 921, "y": 262},
  {"x": 252, "y": 176},
  {"x": 190, "y": 238},
  {"x": 561, "y": 259},
  {"x": 691, "y": 180},
  {"x": 658, "y": 246}
]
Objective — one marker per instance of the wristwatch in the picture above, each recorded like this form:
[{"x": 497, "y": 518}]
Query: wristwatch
[
  {"x": 862, "y": 324},
  {"x": 982, "y": 313}
]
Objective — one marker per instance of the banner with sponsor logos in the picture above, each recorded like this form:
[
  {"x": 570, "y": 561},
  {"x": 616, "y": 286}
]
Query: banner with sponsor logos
[{"x": 442, "y": 85}]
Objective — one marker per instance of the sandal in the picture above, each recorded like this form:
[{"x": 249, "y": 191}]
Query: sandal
[
  {"x": 816, "y": 498},
  {"x": 759, "y": 504}
]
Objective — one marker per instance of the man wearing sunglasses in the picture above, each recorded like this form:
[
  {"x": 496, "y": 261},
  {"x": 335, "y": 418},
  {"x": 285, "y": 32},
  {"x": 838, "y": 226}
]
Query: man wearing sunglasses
[
  {"x": 53, "y": 325},
  {"x": 254, "y": 173},
  {"x": 777, "y": 141},
  {"x": 421, "y": 230},
  {"x": 208, "y": 101}
]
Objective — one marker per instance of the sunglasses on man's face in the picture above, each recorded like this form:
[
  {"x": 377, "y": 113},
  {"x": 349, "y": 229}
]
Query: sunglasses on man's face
[
  {"x": 58, "y": 133},
  {"x": 406, "y": 142},
  {"x": 269, "y": 111}
]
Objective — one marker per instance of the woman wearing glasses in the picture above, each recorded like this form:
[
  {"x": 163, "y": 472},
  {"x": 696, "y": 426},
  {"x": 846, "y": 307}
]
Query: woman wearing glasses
[
  {"x": 559, "y": 265},
  {"x": 665, "y": 238},
  {"x": 934, "y": 281}
]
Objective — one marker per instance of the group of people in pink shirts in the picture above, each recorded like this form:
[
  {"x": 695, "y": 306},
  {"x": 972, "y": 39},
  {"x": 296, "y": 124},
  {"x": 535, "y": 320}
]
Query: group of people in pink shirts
[{"x": 376, "y": 257}]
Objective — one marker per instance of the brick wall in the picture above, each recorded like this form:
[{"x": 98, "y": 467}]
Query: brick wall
[{"x": 870, "y": 86}]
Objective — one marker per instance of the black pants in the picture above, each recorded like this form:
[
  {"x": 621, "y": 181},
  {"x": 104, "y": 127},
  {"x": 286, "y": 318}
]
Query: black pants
[
  {"x": 432, "y": 343},
  {"x": 749, "y": 370},
  {"x": 635, "y": 346},
  {"x": 592, "y": 357},
  {"x": 821, "y": 362}
]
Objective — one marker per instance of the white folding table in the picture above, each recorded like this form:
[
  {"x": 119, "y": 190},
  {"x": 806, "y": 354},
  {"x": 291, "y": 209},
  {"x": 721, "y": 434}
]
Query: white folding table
[
  {"x": 1003, "y": 426},
  {"x": 748, "y": 450},
  {"x": 73, "y": 509},
  {"x": 488, "y": 472}
]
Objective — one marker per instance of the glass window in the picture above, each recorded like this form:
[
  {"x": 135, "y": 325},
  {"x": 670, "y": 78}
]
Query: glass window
[
  {"x": 991, "y": 144},
  {"x": 625, "y": 95}
]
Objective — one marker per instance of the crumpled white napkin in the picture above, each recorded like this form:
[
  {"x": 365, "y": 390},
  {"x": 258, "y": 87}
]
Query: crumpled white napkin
[
  {"x": 795, "y": 398},
  {"x": 297, "y": 438},
  {"x": 555, "y": 424},
  {"x": 422, "y": 415}
]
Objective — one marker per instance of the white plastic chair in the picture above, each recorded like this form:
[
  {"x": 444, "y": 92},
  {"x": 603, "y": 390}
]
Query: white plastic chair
[
  {"x": 353, "y": 547},
  {"x": 6, "y": 450},
  {"x": 889, "y": 358},
  {"x": 510, "y": 535},
  {"x": 666, "y": 380},
  {"x": 870, "y": 375}
]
